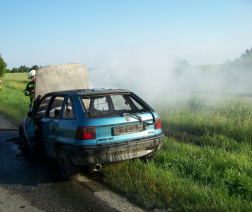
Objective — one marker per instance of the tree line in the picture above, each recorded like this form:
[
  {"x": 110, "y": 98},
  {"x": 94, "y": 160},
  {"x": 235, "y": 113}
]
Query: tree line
[
  {"x": 22, "y": 69},
  {"x": 241, "y": 65}
]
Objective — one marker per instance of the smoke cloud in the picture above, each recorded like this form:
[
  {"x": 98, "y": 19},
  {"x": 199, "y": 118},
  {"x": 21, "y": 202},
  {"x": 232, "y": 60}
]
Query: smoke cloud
[{"x": 156, "y": 78}]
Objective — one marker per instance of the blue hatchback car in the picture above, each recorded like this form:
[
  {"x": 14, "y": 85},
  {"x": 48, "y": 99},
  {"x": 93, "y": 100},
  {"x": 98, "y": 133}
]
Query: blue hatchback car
[
  {"x": 81, "y": 126},
  {"x": 91, "y": 127}
]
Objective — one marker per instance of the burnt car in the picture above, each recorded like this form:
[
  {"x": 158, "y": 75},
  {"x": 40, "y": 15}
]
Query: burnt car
[{"x": 91, "y": 127}]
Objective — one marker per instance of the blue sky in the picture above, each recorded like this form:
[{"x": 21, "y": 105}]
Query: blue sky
[{"x": 110, "y": 33}]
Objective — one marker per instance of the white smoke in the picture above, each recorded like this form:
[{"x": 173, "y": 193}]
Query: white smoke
[{"x": 154, "y": 76}]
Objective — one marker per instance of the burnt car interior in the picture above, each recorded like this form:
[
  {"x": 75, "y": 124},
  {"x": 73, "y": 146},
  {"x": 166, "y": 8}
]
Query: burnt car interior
[
  {"x": 68, "y": 111},
  {"x": 112, "y": 105},
  {"x": 55, "y": 107},
  {"x": 52, "y": 107}
]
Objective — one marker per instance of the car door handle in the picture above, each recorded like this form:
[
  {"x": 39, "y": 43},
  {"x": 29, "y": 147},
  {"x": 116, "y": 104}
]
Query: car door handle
[{"x": 53, "y": 129}]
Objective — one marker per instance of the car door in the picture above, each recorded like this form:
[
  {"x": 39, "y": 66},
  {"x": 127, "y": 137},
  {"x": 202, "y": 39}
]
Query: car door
[
  {"x": 30, "y": 124},
  {"x": 50, "y": 123}
]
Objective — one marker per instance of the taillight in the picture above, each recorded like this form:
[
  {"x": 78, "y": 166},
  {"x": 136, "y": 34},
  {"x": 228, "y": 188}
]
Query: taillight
[
  {"x": 157, "y": 123},
  {"x": 84, "y": 133}
]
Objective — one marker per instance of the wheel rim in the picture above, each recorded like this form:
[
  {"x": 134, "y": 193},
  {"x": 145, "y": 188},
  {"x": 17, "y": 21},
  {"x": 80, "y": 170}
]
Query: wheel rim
[{"x": 63, "y": 163}]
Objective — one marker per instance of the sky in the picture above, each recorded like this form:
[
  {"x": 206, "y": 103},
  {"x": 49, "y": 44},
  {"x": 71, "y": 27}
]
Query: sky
[{"x": 106, "y": 33}]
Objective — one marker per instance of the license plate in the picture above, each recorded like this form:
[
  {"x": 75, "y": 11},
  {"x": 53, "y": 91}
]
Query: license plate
[{"x": 127, "y": 129}]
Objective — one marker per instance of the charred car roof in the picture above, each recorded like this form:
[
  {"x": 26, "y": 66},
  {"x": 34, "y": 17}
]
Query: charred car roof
[{"x": 83, "y": 92}]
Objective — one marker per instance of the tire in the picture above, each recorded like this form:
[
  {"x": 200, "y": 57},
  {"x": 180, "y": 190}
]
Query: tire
[
  {"x": 68, "y": 170},
  {"x": 22, "y": 139}
]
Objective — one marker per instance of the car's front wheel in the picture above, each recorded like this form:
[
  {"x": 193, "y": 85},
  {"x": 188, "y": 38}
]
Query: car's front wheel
[{"x": 67, "y": 168}]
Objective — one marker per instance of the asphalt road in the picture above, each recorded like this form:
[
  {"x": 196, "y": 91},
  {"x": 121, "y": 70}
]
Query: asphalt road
[{"x": 31, "y": 182}]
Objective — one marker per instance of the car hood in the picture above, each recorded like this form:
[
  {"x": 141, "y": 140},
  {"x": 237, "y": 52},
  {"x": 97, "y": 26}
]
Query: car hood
[{"x": 61, "y": 77}]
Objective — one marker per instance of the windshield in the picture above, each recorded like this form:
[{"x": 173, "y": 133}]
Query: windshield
[{"x": 112, "y": 105}]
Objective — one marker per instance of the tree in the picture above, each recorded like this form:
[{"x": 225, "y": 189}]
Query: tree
[
  {"x": 182, "y": 65},
  {"x": 247, "y": 56},
  {"x": 35, "y": 67},
  {"x": 2, "y": 66},
  {"x": 239, "y": 65},
  {"x": 14, "y": 70},
  {"x": 23, "y": 68},
  {"x": 246, "y": 60},
  {"x": 238, "y": 73}
]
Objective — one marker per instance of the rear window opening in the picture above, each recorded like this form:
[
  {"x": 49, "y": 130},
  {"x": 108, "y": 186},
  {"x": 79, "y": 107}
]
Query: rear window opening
[{"x": 112, "y": 105}]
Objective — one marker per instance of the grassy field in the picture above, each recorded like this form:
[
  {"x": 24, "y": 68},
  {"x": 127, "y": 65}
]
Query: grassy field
[
  {"x": 14, "y": 105},
  {"x": 17, "y": 77},
  {"x": 204, "y": 165}
]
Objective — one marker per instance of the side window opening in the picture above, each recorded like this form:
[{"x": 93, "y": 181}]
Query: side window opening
[
  {"x": 40, "y": 113},
  {"x": 68, "y": 110},
  {"x": 55, "y": 107}
]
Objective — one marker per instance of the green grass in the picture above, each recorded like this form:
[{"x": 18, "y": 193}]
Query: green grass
[
  {"x": 20, "y": 86},
  {"x": 204, "y": 164},
  {"x": 17, "y": 77},
  {"x": 14, "y": 105},
  {"x": 187, "y": 177},
  {"x": 231, "y": 118}
]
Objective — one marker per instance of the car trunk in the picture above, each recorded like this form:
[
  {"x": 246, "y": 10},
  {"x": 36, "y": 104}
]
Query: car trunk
[{"x": 117, "y": 129}]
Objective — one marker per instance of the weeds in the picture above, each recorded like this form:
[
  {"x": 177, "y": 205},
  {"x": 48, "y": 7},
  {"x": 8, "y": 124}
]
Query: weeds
[
  {"x": 233, "y": 120},
  {"x": 16, "y": 77},
  {"x": 13, "y": 104},
  {"x": 20, "y": 86},
  {"x": 188, "y": 177}
]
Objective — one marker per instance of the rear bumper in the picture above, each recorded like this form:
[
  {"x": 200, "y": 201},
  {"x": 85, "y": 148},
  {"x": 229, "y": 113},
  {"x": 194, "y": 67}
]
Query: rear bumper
[{"x": 114, "y": 152}]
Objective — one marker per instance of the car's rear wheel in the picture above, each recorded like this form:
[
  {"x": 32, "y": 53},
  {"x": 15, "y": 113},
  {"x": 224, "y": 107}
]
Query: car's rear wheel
[
  {"x": 22, "y": 138},
  {"x": 67, "y": 168}
]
